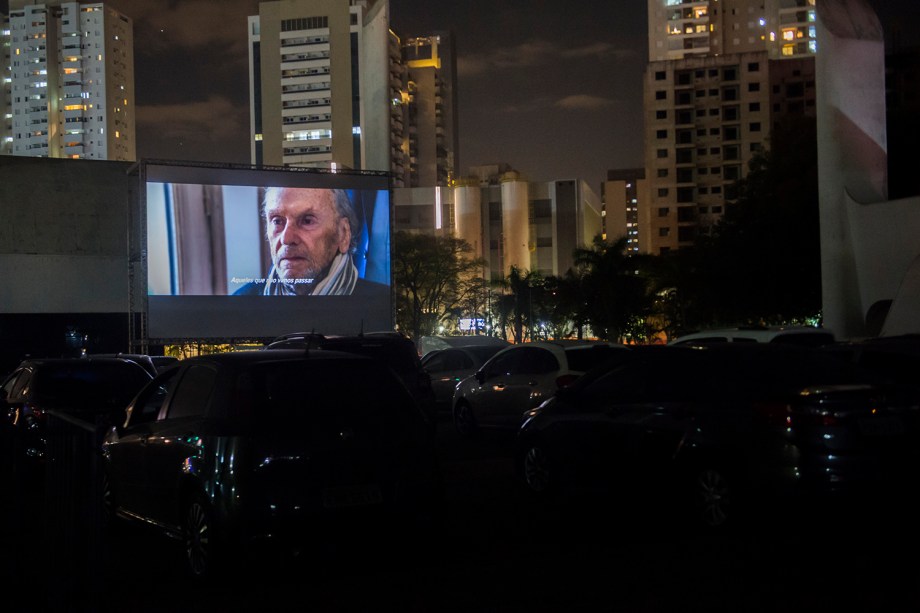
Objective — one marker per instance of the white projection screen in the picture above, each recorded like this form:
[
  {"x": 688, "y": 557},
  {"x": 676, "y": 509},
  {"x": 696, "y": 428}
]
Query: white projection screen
[{"x": 218, "y": 268}]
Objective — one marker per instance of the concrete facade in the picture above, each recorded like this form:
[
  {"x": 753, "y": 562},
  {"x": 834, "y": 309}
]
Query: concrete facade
[
  {"x": 507, "y": 220},
  {"x": 69, "y": 259}
]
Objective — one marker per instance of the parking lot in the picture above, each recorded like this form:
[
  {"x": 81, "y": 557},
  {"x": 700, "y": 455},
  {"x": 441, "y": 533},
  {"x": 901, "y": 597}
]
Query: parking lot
[{"x": 495, "y": 549}]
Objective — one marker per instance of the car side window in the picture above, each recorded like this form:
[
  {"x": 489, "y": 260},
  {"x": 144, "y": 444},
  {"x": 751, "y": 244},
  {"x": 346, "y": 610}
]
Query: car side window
[
  {"x": 193, "y": 392},
  {"x": 437, "y": 363},
  {"x": 148, "y": 404},
  {"x": 505, "y": 364},
  {"x": 457, "y": 360},
  {"x": 536, "y": 361}
]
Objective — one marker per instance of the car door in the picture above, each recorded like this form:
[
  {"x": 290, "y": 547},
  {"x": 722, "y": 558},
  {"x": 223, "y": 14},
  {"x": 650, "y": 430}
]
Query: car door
[
  {"x": 630, "y": 423},
  {"x": 174, "y": 446},
  {"x": 590, "y": 438},
  {"x": 518, "y": 384},
  {"x": 126, "y": 450}
]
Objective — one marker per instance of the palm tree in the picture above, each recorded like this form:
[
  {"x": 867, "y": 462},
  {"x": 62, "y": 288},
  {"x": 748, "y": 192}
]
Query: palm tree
[{"x": 615, "y": 290}]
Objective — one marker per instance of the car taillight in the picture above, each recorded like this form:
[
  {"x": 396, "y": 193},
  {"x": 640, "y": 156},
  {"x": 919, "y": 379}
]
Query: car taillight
[
  {"x": 774, "y": 413},
  {"x": 565, "y": 380}
]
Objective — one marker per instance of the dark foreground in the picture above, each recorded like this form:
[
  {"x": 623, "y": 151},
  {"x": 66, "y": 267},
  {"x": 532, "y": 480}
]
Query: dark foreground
[{"x": 496, "y": 549}]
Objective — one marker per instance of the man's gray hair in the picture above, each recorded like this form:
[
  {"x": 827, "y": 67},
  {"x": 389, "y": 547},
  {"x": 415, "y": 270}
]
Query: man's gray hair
[{"x": 340, "y": 200}]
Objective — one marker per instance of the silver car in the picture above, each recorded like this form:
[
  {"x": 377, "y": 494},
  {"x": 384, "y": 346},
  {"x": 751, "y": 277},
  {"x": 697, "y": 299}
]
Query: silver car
[
  {"x": 520, "y": 377},
  {"x": 447, "y": 367}
]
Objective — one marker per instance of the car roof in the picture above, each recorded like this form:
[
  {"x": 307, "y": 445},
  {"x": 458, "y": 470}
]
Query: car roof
[
  {"x": 253, "y": 356},
  {"x": 566, "y": 343},
  {"x": 758, "y": 333}
]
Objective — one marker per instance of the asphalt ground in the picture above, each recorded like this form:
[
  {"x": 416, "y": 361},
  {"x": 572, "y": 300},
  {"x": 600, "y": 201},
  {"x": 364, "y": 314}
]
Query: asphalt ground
[{"x": 495, "y": 549}]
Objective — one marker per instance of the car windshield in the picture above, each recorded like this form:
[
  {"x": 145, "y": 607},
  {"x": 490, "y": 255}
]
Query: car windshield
[
  {"x": 85, "y": 384},
  {"x": 401, "y": 356},
  {"x": 807, "y": 339}
]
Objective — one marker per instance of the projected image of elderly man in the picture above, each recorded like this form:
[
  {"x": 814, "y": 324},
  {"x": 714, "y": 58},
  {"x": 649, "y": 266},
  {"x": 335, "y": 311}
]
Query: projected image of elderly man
[{"x": 311, "y": 236}]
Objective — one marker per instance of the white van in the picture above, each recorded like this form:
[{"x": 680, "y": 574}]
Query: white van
[{"x": 797, "y": 335}]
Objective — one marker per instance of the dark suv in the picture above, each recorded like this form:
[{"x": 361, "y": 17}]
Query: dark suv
[
  {"x": 395, "y": 350},
  {"x": 281, "y": 447},
  {"x": 94, "y": 390}
]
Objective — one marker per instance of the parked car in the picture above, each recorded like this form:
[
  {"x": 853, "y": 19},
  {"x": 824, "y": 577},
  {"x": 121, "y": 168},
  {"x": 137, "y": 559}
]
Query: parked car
[
  {"x": 893, "y": 358},
  {"x": 289, "y": 449},
  {"x": 427, "y": 344},
  {"x": 712, "y": 430},
  {"x": 520, "y": 377},
  {"x": 791, "y": 335},
  {"x": 447, "y": 367},
  {"x": 143, "y": 360},
  {"x": 94, "y": 389},
  {"x": 395, "y": 350}
]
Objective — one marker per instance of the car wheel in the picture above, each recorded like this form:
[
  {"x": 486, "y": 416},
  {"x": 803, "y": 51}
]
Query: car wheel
[
  {"x": 535, "y": 469},
  {"x": 711, "y": 498},
  {"x": 200, "y": 541},
  {"x": 464, "y": 420}
]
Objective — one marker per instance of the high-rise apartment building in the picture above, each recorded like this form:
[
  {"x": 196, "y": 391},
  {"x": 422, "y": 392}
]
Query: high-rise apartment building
[
  {"x": 6, "y": 110},
  {"x": 624, "y": 194},
  {"x": 678, "y": 28},
  {"x": 721, "y": 75},
  {"x": 331, "y": 85},
  {"x": 321, "y": 84},
  {"x": 431, "y": 138},
  {"x": 72, "y": 80}
]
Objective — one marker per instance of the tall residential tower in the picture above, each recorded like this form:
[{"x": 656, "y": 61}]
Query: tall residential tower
[
  {"x": 72, "y": 80},
  {"x": 320, "y": 84},
  {"x": 431, "y": 140},
  {"x": 721, "y": 75}
]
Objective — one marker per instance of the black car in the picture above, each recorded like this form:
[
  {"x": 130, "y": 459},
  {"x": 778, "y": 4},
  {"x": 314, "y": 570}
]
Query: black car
[
  {"x": 712, "y": 429},
  {"x": 95, "y": 390},
  {"x": 289, "y": 449},
  {"x": 395, "y": 350}
]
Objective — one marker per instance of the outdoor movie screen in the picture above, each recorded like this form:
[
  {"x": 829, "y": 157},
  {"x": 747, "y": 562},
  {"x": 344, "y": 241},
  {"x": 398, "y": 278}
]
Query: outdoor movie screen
[{"x": 239, "y": 252}]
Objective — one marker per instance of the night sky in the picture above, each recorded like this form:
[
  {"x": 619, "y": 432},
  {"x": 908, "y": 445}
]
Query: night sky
[{"x": 554, "y": 89}]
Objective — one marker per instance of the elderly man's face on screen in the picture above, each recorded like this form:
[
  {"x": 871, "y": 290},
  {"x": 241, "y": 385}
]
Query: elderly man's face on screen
[{"x": 305, "y": 232}]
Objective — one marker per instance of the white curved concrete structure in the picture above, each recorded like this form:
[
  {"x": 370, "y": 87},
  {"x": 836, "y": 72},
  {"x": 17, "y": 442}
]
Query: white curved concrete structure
[{"x": 869, "y": 246}]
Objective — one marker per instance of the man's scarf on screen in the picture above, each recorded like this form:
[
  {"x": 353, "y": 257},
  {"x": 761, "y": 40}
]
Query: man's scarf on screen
[{"x": 339, "y": 281}]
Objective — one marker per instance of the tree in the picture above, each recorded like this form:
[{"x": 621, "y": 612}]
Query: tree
[
  {"x": 519, "y": 302},
  {"x": 434, "y": 279},
  {"x": 614, "y": 288},
  {"x": 763, "y": 262}
]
